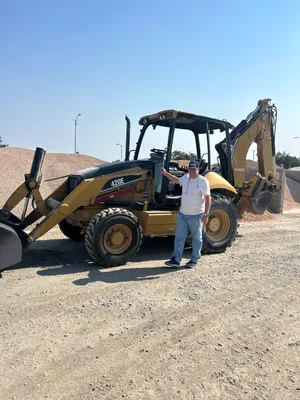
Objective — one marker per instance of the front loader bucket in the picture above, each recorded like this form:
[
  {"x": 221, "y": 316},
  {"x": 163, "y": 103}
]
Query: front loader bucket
[{"x": 10, "y": 247}]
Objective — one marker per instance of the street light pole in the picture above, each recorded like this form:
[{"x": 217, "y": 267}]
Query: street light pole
[
  {"x": 75, "y": 133},
  {"x": 118, "y": 144}
]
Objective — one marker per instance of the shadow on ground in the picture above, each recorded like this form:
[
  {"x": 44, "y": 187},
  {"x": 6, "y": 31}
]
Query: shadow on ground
[
  {"x": 123, "y": 275},
  {"x": 62, "y": 257}
]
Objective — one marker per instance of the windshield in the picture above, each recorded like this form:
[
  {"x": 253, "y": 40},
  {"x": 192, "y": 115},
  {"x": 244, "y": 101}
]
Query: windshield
[{"x": 153, "y": 138}]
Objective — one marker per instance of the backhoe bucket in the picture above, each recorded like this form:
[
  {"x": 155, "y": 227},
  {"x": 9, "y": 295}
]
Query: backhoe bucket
[{"x": 10, "y": 247}]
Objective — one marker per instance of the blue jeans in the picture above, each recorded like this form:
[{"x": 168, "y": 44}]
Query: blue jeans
[{"x": 184, "y": 224}]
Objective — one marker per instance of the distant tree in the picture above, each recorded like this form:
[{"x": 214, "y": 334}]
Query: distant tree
[
  {"x": 287, "y": 161},
  {"x": 182, "y": 155},
  {"x": 1, "y": 143}
]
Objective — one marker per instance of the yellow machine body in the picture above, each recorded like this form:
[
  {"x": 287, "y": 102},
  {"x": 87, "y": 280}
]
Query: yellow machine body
[{"x": 113, "y": 206}]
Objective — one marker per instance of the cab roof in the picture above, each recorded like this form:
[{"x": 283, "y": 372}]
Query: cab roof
[{"x": 185, "y": 120}]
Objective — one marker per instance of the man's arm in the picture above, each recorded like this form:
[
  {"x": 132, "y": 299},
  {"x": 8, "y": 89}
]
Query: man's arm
[
  {"x": 171, "y": 177},
  {"x": 207, "y": 204}
]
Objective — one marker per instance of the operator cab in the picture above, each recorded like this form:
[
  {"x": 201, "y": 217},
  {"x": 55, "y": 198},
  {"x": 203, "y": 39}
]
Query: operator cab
[{"x": 167, "y": 193}]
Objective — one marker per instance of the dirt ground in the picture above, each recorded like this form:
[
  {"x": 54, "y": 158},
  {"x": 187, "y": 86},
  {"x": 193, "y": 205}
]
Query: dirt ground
[{"x": 230, "y": 329}]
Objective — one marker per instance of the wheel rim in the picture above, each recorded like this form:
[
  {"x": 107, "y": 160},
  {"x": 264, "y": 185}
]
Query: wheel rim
[
  {"x": 117, "y": 239},
  {"x": 218, "y": 226}
]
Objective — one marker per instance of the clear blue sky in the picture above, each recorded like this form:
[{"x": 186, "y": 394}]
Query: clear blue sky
[{"x": 105, "y": 59}]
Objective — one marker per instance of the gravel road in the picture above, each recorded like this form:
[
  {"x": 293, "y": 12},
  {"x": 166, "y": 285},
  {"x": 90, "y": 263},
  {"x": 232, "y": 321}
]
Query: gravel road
[{"x": 230, "y": 329}]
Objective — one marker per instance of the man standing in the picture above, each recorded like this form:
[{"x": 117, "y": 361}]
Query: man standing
[{"x": 193, "y": 213}]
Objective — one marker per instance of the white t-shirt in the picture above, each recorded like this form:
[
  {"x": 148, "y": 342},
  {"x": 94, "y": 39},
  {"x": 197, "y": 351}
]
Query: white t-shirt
[{"x": 193, "y": 192}]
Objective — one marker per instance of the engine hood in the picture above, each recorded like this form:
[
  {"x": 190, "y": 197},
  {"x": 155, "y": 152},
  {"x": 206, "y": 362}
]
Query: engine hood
[{"x": 106, "y": 169}]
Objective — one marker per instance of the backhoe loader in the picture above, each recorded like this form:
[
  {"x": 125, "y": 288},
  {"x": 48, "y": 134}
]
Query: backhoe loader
[{"x": 111, "y": 207}]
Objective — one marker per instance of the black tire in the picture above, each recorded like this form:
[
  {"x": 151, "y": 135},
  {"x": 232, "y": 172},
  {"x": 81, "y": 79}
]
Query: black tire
[
  {"x": 220, "y": 240},
  {"x": 74, "y": 233},
  {"x": 98, "y": 240}
]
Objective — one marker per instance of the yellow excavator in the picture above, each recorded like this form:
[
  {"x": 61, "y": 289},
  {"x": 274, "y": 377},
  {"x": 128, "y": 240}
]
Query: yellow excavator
[{"x": 113, "y": 206}]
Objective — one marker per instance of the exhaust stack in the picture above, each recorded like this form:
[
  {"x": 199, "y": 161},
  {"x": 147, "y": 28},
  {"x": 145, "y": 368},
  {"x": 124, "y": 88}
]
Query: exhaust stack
[{"x": 127, "y": 148}]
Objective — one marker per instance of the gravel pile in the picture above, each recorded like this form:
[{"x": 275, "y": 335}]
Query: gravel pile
[
  {"x": 266, "y": 216},
  {"x": 15, "y": 162}
]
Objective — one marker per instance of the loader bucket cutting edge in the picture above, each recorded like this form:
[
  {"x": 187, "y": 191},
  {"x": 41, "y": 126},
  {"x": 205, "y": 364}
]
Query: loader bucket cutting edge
[{"x": 10, "y": 247}]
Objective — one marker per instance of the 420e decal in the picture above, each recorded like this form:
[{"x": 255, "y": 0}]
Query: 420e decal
[{"x": 121, "y": 181}]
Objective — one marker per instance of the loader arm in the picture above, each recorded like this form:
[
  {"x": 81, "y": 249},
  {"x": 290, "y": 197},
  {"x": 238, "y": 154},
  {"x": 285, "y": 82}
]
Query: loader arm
[
  {"x": 62, "y": 203},
  {"x": 90, "y": 192}
]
